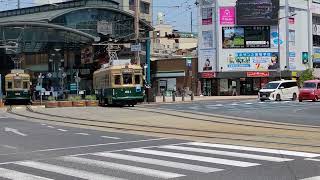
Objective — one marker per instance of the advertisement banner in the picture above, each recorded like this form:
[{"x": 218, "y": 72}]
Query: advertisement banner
[
  {"x": 292, "y": 61},
  {"x": 227, "y": 15},
  {"x": 257, "y": 61},
  {"x": 233, "y": 37},
  {"x": 207, "y": 39},
  {"x": 207, "y": 15},
  {"x": 257, "y": 12},
  {"x": 207, "y": 60},
  {"x": 316, "y": 56},
  {"x": 87, "y": 55}
]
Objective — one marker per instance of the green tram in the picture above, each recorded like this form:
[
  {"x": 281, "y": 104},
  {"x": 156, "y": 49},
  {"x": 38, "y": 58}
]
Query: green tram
[
  {"x": 119, "y": 85},
  {"x": 17, "y": 88}
]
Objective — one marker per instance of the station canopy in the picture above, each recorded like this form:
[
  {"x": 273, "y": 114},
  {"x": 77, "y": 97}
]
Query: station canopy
[{"x": 67, "y": 25}]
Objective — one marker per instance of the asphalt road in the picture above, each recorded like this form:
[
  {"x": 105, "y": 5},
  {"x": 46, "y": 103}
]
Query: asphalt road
[
  {"x": 36, "y": 151},
  {"x": 306, "y": 113}
]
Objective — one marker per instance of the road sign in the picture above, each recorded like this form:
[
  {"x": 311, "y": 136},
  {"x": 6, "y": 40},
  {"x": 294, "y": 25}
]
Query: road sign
[
  {"x": 73, "y": 87},
  {"x": 135, "y": 47},
  {"x": 189, "y": 61}
]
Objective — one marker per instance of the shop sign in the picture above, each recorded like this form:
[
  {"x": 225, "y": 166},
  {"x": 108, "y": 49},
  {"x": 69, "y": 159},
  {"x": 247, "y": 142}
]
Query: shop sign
[
  {"x": 207, "y": 60},
  {"x": 104, "y": 27},
  {"x": 227, "y": 15},
  {"x": 207, "y": 13},
  {"x": 208, "y": 75},
  {"x": 316, "y": 29},
  {"x": 316, "y": 56},
  {"x": 258, "y": 74},
  {"x": 261, "y": 61}
]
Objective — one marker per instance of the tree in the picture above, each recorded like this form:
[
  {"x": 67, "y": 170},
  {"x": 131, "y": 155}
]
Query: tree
[{"x": 306, "y": 75}]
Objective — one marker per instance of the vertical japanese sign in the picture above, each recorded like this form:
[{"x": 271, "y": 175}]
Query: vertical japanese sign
[{"x": 227, "y": 15}]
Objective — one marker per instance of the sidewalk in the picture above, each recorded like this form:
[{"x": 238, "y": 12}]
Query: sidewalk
[{"x": 168, "y": 99}]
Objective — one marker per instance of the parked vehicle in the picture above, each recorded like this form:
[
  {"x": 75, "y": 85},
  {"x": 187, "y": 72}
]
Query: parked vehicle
[
  {"x": 280, "y": 90},
  {"x": 310, "y": 90}
]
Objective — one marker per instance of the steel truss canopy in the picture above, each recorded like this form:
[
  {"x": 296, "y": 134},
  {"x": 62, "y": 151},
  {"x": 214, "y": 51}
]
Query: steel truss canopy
[{"x": 67, "y": 25}]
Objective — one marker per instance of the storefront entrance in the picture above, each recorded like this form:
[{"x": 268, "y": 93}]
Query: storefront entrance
[{"x": 251, "y": 86}]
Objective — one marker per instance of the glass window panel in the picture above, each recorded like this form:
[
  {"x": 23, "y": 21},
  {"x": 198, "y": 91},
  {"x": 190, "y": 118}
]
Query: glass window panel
[
  {"x": 127, "y": 78},
  {"x": 117, "y": 80},
  {"x": 137, "y": 79}
]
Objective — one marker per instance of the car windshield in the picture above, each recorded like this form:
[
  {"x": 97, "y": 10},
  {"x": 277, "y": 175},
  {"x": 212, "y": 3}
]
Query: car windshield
[
  {"x": 309, "y": 85},
  {"x": 271, "y": 86}
]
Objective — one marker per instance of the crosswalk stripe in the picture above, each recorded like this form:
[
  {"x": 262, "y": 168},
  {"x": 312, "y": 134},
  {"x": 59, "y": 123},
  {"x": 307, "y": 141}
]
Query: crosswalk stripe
[
  {"x": 195, "y": 158},
  {"x": 177, "y": 165},
  {"x": 264, "y": 150},
  {"x": 312, "y": 178},
  {"x": 226, "y": 153},
  {"x": 122, "y": 167},
  {"x": 67, "y": 171},
  {"x": 15, "y": 175}
]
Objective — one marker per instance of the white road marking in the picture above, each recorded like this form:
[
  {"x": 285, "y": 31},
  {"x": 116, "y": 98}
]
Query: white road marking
[
  {"x": 110, "y": 137},
  {"x": 122, "y": 167},
  {"x": 248, "y": 103},
  {"x": 84, "y": 134},
  {"x": 15, "y": 175},
  {"x": 159, "y": 162},
  {"x": 43, "y": 124},
  {"x": 312, "y": 159},
  {"x": 195, "y": 158},
  {"x": 3, "y": 117},
  {"x": 234, "y": 104},
  {"x": 15, "y": 131},
  {"x": 62, "y": 130},
  {"x": 312, "y": 178},
  {"x": 9, "y": 147},
  {"x": 264, "y": 150},
  {"x": 66, "y": 171},
  {"x": 261, "y": 102},
  {"x": 226, "y": 153},
  {"x": 51, "y": 127}
]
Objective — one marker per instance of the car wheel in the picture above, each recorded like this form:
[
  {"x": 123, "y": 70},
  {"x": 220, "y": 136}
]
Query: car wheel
[
  {"x": 300, "y": 100},
  {"x": 294, "y": 97},
  {"x": 262, "y": 100},
  {"x": 278, "y": 97}
]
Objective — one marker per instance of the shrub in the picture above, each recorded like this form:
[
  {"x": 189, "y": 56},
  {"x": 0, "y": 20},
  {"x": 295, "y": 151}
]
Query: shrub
[
  {"x": 50, "y": 98},
  {"x": 91, "y": 97}
]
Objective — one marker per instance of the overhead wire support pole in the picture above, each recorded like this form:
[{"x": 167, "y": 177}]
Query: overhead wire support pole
[
  {"x": 287, "y": 32},
  {"x": 137, "y": 29},
  {"x": 310, "y": 34}
]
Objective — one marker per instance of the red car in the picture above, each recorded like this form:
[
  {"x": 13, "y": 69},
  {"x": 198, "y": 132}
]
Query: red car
[{"x": 310, "y": 91}]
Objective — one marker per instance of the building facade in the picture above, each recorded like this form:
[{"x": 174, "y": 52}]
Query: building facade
[{"x": 245, "y": 44}]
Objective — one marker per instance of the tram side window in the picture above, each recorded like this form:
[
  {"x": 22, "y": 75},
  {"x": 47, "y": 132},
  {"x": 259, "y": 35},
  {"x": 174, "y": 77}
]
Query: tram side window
[
  {"x": 127, "y": 78},
  {"x": 25, "y": 85},
  {"x": 117, "y": 80},
  {"x": 9, "y": 85},
  {"x": 137, "y": 79}
]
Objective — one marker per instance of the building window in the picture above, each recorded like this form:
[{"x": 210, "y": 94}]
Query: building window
[
  {"x": 292, "y": 37},
  {"x": 144, "y": 7},
  {"x": 132, "y": 5}
]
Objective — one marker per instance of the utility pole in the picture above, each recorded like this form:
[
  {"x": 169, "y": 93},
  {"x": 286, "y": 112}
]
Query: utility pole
[
  {"x": 310, "y": 35},
  {"x": 18, "y": 4},
  {"x": 191, "y": 22},
  {"x": 137, "y": 29},
  {"x": 287, "y": 32}
]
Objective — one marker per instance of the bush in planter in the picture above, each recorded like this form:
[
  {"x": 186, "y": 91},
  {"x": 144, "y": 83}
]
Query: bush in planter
[
  {"x": 65, "y": 103},
  {"x": 51, "y": 103},
  {"x": 91, "y": 100},
  {"x": 77, "y": 101}
]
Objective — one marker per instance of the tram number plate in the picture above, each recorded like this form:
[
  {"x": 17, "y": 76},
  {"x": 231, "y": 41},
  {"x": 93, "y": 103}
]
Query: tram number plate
[
  {"x": 17, "y": 94},
  {"x": 127, "y": 92}
]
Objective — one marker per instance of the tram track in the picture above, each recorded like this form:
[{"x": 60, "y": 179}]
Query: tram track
[{"x": 165, "y": 130}]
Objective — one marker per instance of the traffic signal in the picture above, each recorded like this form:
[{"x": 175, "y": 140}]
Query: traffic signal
[{"x": 305, "y": 57}]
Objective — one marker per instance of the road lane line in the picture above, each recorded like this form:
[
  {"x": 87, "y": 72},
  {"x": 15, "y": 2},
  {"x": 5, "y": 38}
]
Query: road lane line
[
  {"x": 9, "y": 147},
  {"x": 67, "y": 171},
  {"x": 226, "y": 153},
  {"x": 159, "y": 162},
  {"x": 110, "y": 137},
  {"x": 84, "y": 134},
  {"x": 43, "y": 124},
  {"x": 312, "y": 159},
  {"x": 62, "y": 130},
  {"x": 115, "y": 166},
  {"x": 312, "y": 178},
  {"x": 51, "y": 127},
  {"x": 194, "y": 157},
  {"x": 15, "y": 175},
  {"x": 264, "y": 150},
  {"x": 93, "y": 145}
]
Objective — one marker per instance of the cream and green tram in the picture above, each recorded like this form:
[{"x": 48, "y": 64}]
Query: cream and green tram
[
  {"x": 17, "y": 88},
  {"x": 119, "y": 85}
]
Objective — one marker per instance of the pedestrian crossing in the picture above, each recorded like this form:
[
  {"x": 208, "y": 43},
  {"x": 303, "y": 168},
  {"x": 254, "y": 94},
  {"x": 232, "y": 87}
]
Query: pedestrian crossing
[{"x": 173, "y": 161}]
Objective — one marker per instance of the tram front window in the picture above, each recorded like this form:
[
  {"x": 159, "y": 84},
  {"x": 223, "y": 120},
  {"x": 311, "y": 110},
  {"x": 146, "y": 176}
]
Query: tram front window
[
  {"x": 137, "y": 79},
  {"x": 17, "y": 83},
  {"x": 9, "y": 85},
  {"x": 25, "y": 85},
  {"x": 127, "y": 78},
  {"x": 117, "y": 80}
]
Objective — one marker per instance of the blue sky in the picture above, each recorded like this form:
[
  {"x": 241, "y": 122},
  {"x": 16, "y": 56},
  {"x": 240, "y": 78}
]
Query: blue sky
[{"x": 177, "y": 12}]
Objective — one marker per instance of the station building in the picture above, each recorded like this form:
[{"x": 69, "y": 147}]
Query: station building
[
  {"x": 244, "y": 44},
  {"x": 61, "y": 40}
]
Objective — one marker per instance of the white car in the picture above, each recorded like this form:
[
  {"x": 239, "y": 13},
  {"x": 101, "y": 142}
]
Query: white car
[{"x": 280, "y": 90}]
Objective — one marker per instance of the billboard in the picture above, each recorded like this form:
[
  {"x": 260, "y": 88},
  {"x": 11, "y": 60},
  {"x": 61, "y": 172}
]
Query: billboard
[
  {"x": 207, "y": 60},
  {"x": 254, "y": 61},
  {"x": 227, "y": 15},
  {"x": 257, "y": 12}
]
